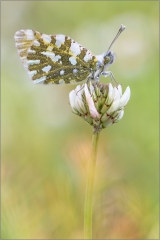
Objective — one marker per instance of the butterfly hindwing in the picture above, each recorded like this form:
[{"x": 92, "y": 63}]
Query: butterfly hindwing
[{"x": 54, "y": 58}]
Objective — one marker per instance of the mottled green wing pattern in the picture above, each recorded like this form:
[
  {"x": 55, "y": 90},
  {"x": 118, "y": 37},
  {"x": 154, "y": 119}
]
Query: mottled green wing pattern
[{"x": 54, "y": 59}]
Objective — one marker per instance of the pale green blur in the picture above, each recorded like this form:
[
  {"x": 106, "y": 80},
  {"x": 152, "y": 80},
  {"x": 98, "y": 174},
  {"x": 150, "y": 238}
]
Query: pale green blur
[{"x": 45, "y": 147}]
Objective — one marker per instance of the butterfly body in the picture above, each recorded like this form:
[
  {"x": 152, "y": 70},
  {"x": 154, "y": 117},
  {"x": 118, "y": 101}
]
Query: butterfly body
[{"x": 57, "y": 59}]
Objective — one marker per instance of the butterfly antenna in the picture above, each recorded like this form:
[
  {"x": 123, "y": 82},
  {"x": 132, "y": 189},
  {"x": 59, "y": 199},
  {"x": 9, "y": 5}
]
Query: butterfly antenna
[{"x": 121, "y": 29}]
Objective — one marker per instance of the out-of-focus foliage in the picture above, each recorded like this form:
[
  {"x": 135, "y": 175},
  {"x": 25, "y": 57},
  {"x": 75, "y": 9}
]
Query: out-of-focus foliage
[{"x": 45, "y": 148}]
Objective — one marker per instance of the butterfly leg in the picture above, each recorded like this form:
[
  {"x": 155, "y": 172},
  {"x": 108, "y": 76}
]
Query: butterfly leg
[
  {"x": 93, "y": 81},
  {"x": 108, "y": 73},
  {"x": 88, "y": 80}
]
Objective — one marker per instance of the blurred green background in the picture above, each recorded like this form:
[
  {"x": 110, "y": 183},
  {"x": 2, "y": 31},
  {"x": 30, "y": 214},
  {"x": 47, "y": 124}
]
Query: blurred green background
[{"x": 46, "y": 148}]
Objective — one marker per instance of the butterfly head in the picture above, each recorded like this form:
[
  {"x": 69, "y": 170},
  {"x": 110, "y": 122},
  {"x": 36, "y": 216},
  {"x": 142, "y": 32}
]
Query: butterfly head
[{"x": 109, "y": 58}]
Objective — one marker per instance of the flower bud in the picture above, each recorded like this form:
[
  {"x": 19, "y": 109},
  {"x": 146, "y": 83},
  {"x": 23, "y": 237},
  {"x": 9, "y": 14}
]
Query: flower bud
[{"x": 100, "y": 105}]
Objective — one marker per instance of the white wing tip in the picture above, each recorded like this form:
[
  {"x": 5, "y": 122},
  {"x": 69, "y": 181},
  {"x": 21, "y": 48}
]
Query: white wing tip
[{"x": 21, "y": 34}]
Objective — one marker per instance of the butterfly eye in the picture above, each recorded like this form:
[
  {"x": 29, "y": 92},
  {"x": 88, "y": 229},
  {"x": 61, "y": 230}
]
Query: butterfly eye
[{"x": 107, "y": 60}]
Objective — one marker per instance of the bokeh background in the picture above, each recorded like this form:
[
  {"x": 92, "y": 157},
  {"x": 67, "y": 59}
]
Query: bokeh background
[{"x": 46, "y": 148}]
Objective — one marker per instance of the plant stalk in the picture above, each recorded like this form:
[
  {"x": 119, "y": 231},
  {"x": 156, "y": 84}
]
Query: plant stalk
[{"x": 89, "y": 189}]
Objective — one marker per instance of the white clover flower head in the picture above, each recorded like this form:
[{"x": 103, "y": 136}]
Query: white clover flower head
[{"x": 100, "y": 105}]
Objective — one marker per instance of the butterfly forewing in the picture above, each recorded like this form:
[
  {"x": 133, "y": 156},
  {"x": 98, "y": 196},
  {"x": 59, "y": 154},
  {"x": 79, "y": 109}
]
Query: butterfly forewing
[{"x": 54, "y": 58}]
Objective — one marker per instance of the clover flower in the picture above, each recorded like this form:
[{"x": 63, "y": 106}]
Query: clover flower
[{"x": 100, "y": 105}]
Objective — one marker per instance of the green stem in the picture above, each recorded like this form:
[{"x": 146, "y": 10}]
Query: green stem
[{"x": 89, "y": 190}]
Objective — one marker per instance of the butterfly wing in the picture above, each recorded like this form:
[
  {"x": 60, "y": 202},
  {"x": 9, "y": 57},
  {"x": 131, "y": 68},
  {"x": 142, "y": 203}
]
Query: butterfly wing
[{"x": 54, "y": 58}]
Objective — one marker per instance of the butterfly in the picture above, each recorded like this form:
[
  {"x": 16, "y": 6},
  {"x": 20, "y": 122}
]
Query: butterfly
[{"x": 58, "y": 59}]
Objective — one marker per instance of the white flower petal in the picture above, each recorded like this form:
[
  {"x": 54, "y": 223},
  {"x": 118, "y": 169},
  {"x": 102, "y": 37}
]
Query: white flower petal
[
  {"x": 117, "y": 92},
  {"x": 119, "y": 116},
  {"x": 110, "y": 94},
  {"x": 75, "y": 99},
  {"x": 80, "y": 105},
  {"x": 91, "y": 88},
  {"x": 92, "y": 109},
  {"x": 79, "y": 91},
  {"x": 113, "y": 107},
  {"x": 125, "y": 97},
  {"x": 72, "y": 98},
  {"x": 119, "y": 89}
]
